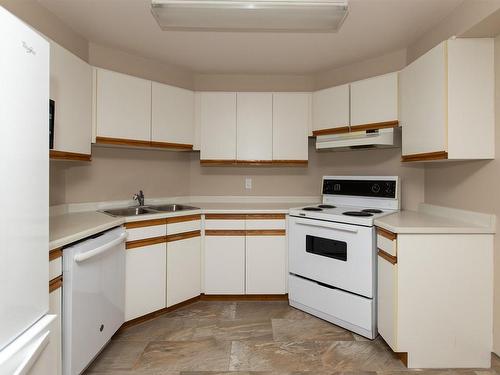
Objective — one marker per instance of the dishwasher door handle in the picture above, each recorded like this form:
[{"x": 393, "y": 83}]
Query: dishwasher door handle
[{"x": 101, "y": 249}]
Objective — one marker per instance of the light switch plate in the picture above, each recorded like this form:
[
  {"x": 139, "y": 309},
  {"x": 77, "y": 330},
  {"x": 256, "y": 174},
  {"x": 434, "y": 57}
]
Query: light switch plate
[{"x": 248, "y": 183}]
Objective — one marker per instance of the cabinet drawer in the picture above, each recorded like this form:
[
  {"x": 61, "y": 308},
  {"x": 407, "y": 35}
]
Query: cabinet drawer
[
  {"x": 266, "y": 224},
  {"x": 55, "y": 263},
  {"x": 182, "y": 224},
  {"x": 139, "y": 233},
  {"x": 387, "y": 311},
  {"x": 225, "y": 221},
  {"x": 387, "y": 241}
]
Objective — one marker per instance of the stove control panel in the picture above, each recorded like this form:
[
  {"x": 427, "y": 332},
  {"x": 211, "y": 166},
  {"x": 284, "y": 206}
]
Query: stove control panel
[{"x": 361, "y": 188}]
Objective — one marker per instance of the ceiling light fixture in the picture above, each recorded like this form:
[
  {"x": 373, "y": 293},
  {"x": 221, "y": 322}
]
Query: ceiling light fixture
[{"x": 257, "y": 15}]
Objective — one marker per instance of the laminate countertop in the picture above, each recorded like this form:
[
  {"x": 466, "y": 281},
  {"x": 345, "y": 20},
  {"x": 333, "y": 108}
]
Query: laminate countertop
[
  {"x": 71, "y": 227},
  {"x": 431, "y": 219},
  {"x": 67, "y": 228}
]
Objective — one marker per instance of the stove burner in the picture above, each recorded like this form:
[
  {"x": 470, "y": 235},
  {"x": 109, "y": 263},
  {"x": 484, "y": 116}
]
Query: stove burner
[
  {"x": 357, "y": 213},
  {"x": 326, "y": 206},
  {"x": 372, "y": 211},
  {"x": 312, "y": 209}
]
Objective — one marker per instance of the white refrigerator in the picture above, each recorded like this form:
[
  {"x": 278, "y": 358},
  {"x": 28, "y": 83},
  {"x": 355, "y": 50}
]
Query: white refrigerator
[{"x": 25, "y": 326}]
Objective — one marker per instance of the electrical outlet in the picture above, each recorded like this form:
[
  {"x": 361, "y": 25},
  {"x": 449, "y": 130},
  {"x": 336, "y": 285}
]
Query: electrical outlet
[{"x": 248, "y": 183}]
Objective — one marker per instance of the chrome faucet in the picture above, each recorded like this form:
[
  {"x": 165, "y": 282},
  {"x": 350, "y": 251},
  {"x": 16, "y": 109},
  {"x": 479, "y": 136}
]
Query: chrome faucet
[{"x": 139, "y": 197}]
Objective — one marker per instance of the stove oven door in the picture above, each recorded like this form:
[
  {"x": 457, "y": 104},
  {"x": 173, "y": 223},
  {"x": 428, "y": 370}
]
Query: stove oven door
[{"x": 338, "y": 255}]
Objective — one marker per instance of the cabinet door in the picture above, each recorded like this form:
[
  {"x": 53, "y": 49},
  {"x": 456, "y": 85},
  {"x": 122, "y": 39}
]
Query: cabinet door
[
  {"x": 71, "y": 89},
  {"x": 172, "y": 115},
  {"x": 183, "y": 270},
  {"x": 374, "y": 100},
  {"x": 145, "y": 280},
  {"x": 218, "y": 125},
  {"x": 291, "y": 118},
  {"x": 331, "y": 108},
  {"x": 424, "y": 104},
  {"x": 387, "y": 302},
  {"x": 254, "y": 126},
  {"x": 55, "y": 308},
  {"x": 224, "y": 264},
  {"x": 265, "y": 264},
  {"x": 123, "y": 106}
]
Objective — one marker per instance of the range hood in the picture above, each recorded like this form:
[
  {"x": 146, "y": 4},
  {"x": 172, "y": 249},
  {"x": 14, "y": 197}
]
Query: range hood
[{"x": 381, "y": 138}]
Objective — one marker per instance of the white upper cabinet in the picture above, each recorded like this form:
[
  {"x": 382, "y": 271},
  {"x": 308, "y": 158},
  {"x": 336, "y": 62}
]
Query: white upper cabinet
[
  {"x": 172, "y": 117},
  {"x": 254, "y": 126},
  {"x": 217, "y": 111},
  {"x": 71, "y": 89},
  {"x": 291, "y": 120},
  {"x": 331, "y": 109},
  {"x": 123, "y": 106},
  {"x": 374, "y": 101},
  {"x": 447, "y": 102}
]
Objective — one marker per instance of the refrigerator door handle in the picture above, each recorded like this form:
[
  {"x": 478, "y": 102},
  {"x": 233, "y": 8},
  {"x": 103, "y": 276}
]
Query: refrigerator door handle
[
  {"x": 33, "y": 355},
  {"x": 92, "y": 253}
]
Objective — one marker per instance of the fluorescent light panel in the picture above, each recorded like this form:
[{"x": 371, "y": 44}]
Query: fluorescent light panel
[{"x": 258, "y": 15}]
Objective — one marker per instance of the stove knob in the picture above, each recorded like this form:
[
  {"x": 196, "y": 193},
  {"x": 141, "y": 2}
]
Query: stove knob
[{"x": 375, "y": 188}]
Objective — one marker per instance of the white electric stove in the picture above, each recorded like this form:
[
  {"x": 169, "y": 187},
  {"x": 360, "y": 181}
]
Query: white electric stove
[{"x": 332, "y": 250}]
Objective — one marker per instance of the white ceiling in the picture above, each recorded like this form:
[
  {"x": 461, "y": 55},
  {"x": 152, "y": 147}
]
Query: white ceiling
[{"x": 372, "y": 28}]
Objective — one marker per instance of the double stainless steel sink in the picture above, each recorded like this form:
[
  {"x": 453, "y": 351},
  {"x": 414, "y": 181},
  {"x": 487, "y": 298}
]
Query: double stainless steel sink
[{"x": 145, "y": 210}]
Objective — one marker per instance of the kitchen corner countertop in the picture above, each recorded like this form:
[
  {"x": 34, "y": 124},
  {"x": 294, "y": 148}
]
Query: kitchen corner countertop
[
  {"x": 437, "y": 220},
  {"x": 71, "y": 227}
]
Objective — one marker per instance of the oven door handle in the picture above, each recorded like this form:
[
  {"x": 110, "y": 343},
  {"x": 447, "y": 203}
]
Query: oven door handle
[{"x": 329, "y": 225}]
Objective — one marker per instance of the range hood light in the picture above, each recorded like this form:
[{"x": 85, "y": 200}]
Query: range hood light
[{"x": 257, "y": 15}]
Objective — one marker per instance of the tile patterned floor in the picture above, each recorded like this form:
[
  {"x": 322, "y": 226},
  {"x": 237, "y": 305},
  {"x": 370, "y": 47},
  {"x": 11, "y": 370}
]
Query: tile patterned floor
[{"x": 249, "y": 338}]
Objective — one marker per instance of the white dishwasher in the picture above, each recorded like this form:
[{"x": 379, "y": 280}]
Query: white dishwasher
[{"x": 93, "y": 297}]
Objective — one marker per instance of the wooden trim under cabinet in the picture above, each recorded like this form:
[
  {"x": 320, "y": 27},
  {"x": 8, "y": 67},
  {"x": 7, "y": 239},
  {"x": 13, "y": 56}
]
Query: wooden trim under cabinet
[
  {"x": 145, "y": 223},
  {"x": 426, "y": 156},
  {"x": 385, "y": 233},
  {"x": 145, "y": 242},
  {"x": 225, "y": 232},
  {"x": 55, "y": 283},
  {"x": 122, "y": 142},
  {"x": 217, "y": 162},
  {"x": 249, "y": 163},
  {"x": 225, "y": 217},
  {"x": 55, "y": 254},
  {"x": 65, "y": 155},
  {"x": 388, "y": 257},
  {"x": 265, "y": 216},
  {"x": 183, "y": 236},
  {"x": 244, "y": 297},
  {"x": 375, "y": 126},
  {"x": 171, "y": 145},
  {"x": 181, "y": 219},
  {"x": 339, "y": 130},
  {"x": 265, "y": 232}
]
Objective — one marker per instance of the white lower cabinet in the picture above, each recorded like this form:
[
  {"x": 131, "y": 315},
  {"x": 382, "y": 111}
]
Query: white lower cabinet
[
  {"x": 145, "y": 282},
  {"x": 266, "y": 264},
  {"x": 225, "y": 264},
  {"x": 55, "y": 308},
  {"x": 387, "y": 302},
  {"x": 435, "y": 298},
  {"x": 183, "y": 270}
]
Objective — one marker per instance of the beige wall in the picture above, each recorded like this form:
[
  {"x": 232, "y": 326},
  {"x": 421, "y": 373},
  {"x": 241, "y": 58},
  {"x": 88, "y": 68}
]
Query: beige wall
[
  {"x": 253, "y": 82},
  {"x": 303, "y": 181},
  {"x": 473, "y": 185},
  {"x": 34, "y": 14},
  {"x": 116, "y": 174},
  {"x": 387, "y": 63},
  {"x": 119, "y": 61},
  {"x": 463, "y": 18}
]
